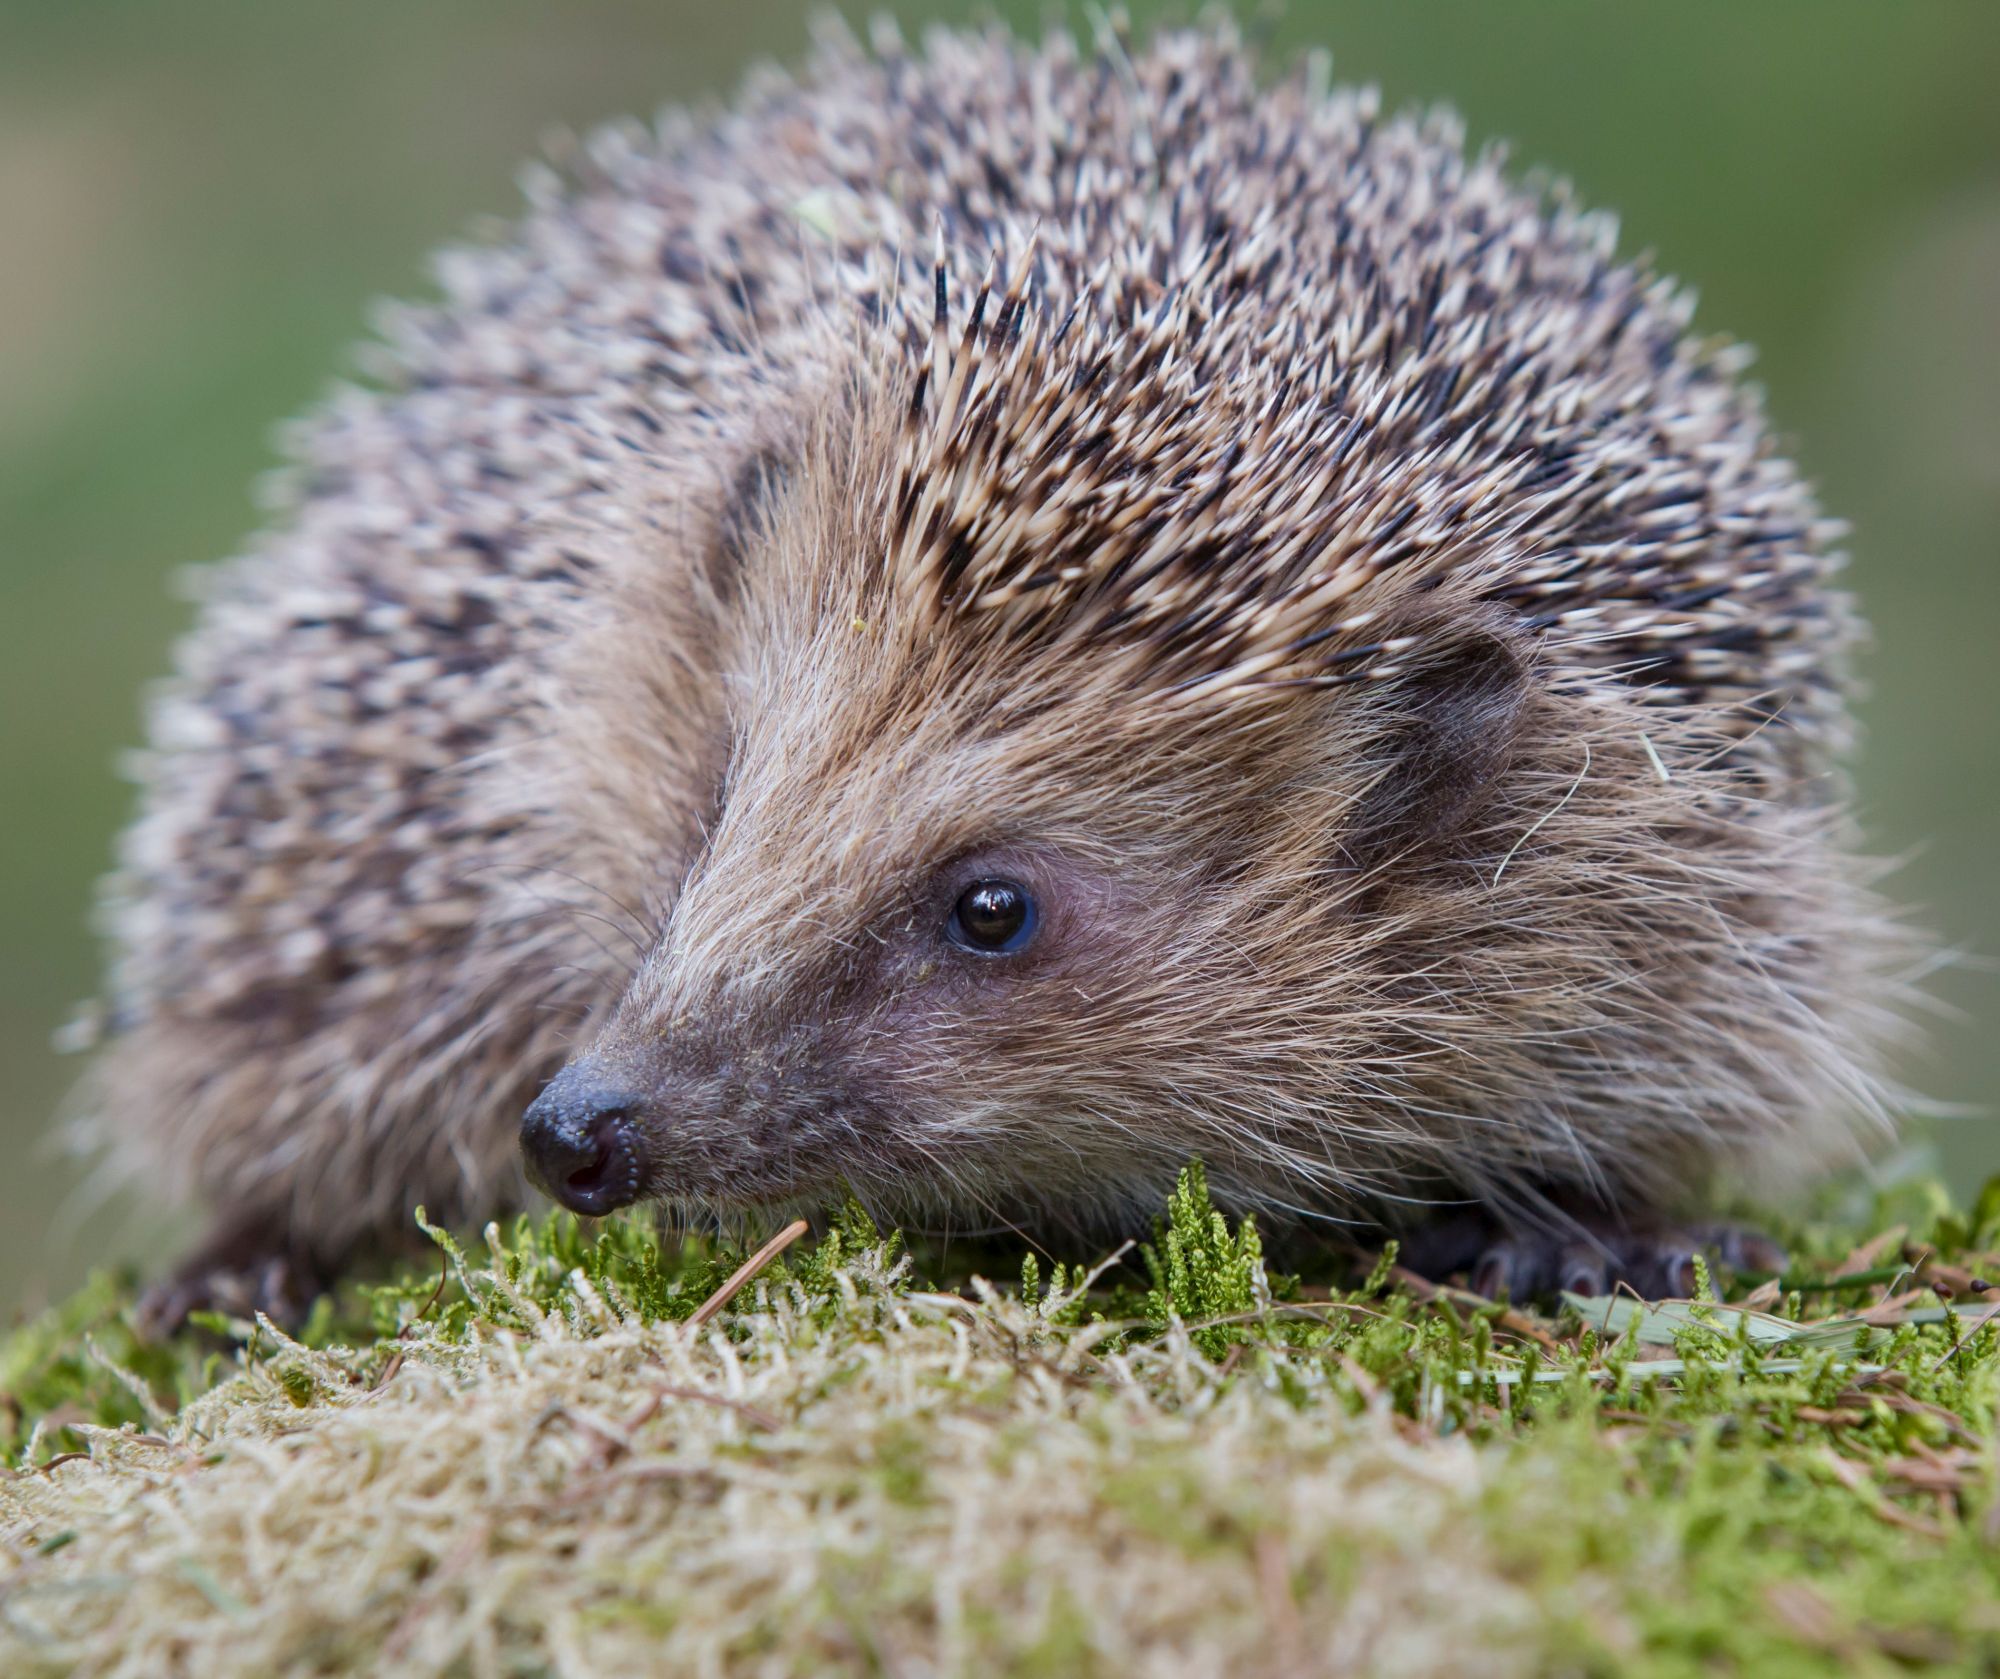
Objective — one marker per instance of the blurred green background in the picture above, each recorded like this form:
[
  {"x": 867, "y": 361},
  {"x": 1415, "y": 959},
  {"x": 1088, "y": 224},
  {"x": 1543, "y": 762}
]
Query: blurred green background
[{"x": 199, "y": 200}]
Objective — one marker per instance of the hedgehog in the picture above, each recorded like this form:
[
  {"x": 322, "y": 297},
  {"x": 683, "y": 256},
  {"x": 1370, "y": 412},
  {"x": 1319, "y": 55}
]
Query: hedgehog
[{"x": 986, "y": 620}]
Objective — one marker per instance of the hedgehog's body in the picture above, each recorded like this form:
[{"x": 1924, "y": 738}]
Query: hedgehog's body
[{"x": 1384, "y": 647}]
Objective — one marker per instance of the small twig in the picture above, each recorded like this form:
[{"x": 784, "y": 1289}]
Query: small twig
[
  {"x": 396, "y": 1360},
  {"x": 65, "y": 1457},
  {"x": 744, "y": 1272},
  {"x": 436, "y": 1294},
  {"x": 614, "y": 1443},
  {"x": 1115, "y": 1257}
]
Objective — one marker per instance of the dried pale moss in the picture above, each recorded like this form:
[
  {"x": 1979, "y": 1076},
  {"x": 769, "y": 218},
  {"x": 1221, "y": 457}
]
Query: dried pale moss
[{"x": 542, "y": 1466}]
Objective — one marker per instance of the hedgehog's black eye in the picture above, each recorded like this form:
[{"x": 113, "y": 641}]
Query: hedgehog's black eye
[{"x": 992, "y": 918}]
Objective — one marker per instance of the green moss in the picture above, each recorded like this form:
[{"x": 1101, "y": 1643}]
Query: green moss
[
  {"x": 1768, "y": 1482},
  {"x": 1202, "y": 1273}
]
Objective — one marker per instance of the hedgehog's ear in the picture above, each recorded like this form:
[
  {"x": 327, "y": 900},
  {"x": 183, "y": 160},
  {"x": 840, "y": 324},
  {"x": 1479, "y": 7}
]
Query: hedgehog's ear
[{"x": 1438, "y": 735}]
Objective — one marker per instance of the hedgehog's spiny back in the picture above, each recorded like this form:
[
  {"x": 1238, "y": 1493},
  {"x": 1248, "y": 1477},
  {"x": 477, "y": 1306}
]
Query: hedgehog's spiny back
[
  {"x": 1197, "y": 366},
  {"x": 1243, "y": 351}
]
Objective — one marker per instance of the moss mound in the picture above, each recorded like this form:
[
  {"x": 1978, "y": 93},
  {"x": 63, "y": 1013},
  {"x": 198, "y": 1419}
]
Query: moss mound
[{"x": 571, "y": 1455}]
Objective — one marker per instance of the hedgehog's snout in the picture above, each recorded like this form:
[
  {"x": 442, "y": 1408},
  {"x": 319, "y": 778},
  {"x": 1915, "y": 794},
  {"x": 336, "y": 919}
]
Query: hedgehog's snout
[{"x": 581, "y": 1144}]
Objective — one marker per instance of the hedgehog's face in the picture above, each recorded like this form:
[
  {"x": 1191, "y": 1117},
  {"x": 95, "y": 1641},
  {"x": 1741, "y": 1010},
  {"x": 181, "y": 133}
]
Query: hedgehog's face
[
  {"x": 1015, "y": 896},
  {"x": 982, "y": 970},
  {"x": 929, "y": 981}
]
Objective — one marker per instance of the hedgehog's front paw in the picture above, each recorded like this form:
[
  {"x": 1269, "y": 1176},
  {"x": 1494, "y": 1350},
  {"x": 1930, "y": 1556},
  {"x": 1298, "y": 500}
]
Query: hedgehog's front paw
[
  {"x": 1670, "y": 1252},
  {"x": 1592, "y": 1256},
  {"x": 241, "y": 1271}
]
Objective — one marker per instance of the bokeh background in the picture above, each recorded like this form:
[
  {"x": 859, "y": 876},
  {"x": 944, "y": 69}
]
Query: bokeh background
[{"x": 198, "y": 201}]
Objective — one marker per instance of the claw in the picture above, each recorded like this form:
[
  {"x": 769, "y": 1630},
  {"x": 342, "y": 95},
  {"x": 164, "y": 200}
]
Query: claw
[
  {"x": 1503, "y": 1272},
  {"x": 1582, "y": 1269}
]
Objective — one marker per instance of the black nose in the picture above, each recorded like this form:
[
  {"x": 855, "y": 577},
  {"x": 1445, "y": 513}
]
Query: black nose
[{"x": 581, "y": 1144}]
